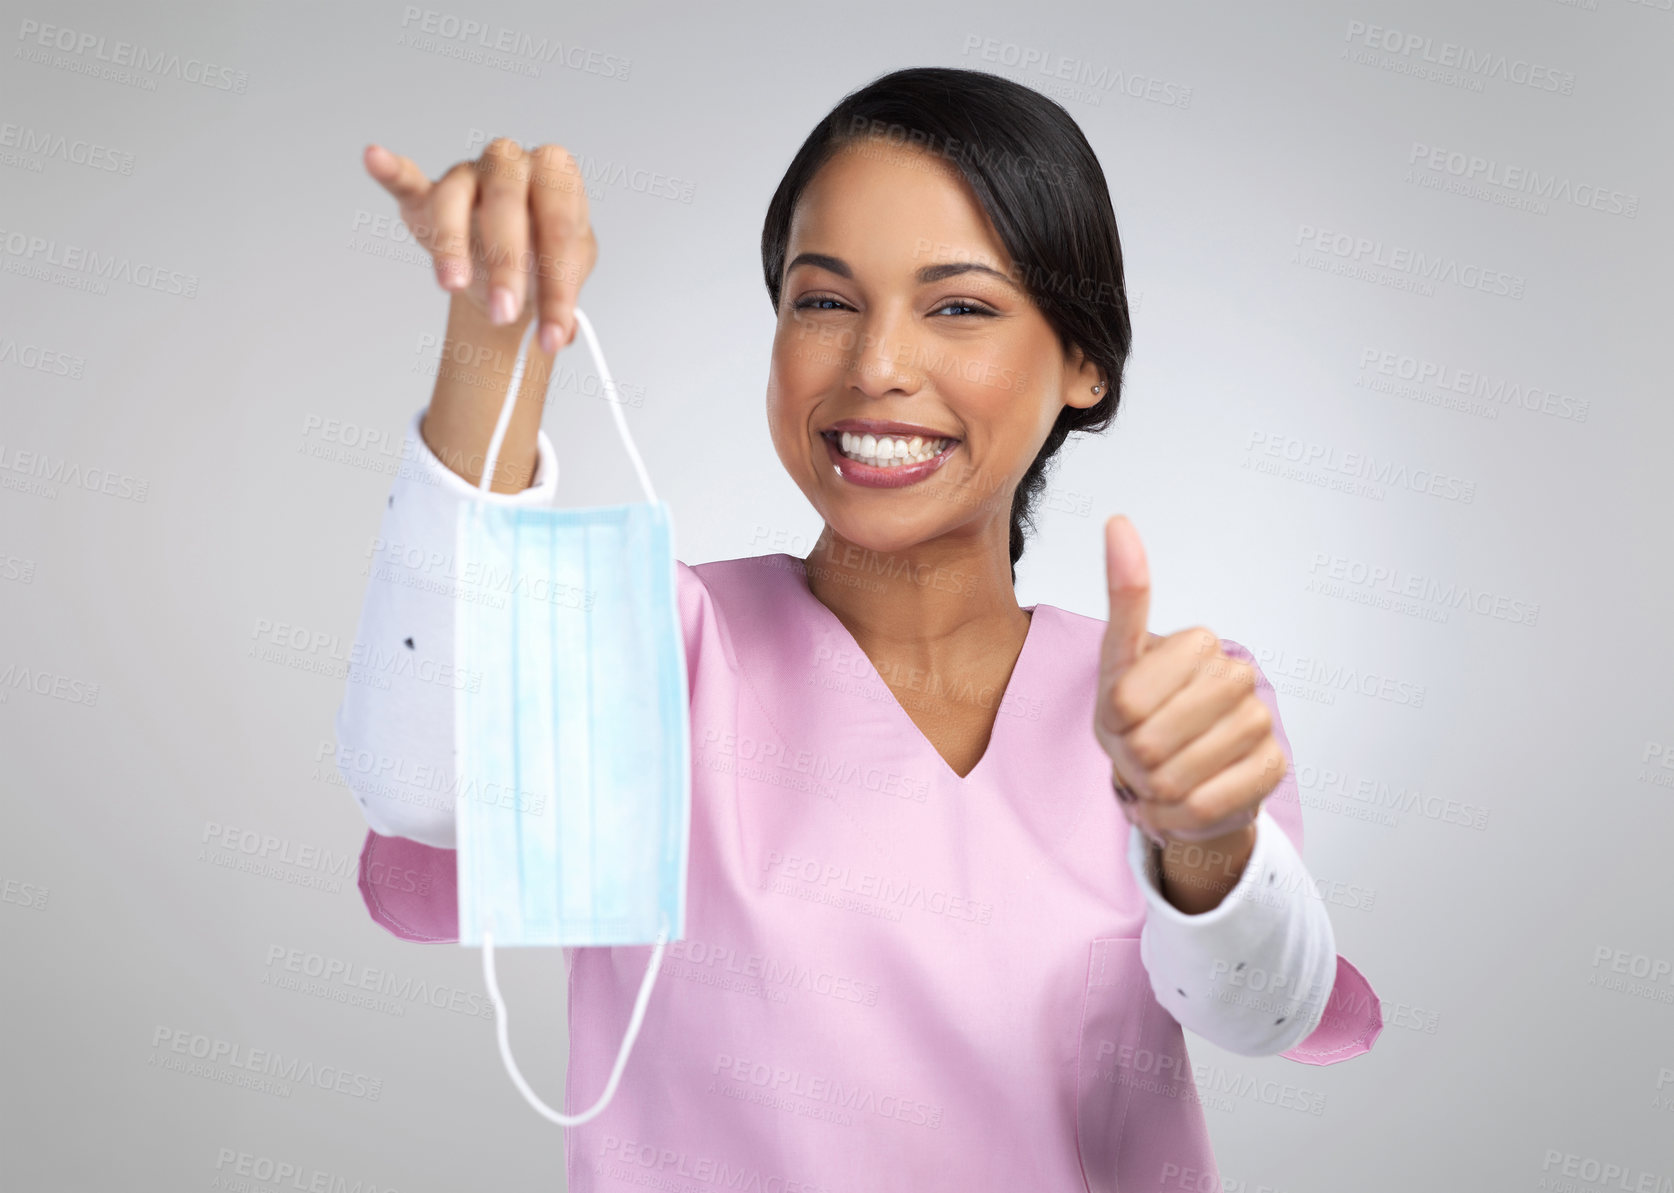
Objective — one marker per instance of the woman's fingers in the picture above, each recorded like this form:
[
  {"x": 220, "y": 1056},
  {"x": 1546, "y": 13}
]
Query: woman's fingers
[
  {"x": 1225, "y": 803},
  {"x": 1230, "y": 738},
  {"x": 1218, "y": 689},
  {"x": 449, "y": 218},
  {"x": 503, "y": 225},
  {"x": 510, "y": 230},
  {"x": 419, "y": 200},
  {"x": 565, "y": 246},
  {"x": 398, "y": 175}
]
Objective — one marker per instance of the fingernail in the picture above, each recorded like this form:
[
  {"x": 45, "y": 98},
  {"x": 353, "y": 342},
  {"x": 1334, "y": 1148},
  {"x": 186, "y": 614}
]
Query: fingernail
[
  {"x": 549, "y": 338},
  {"x": 502, "y": 305}
]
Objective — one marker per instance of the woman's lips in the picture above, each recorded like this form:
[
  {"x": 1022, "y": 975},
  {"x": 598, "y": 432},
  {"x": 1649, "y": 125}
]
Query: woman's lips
[{"x": 874, "y": 477}]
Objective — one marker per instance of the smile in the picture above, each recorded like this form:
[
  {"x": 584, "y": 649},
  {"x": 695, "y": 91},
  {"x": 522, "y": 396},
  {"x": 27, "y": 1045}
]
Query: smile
[
  {"x": 886, "y": 461},
  {"x": 889, "y": 451}
]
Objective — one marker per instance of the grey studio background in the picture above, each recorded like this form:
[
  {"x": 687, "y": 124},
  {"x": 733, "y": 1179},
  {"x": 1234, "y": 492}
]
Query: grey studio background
[{"x": 1397, "y": 418}]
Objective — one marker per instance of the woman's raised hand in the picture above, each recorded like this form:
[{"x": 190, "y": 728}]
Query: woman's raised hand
[
  {"x": 509, "y": 231},
  {"x": 1182, "y": 724}
]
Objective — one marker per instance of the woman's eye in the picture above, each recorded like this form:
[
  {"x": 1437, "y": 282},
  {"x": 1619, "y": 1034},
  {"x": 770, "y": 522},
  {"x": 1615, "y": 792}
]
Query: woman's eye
[
  {"x": 814, "y": 301},
  {"x": 960, "y": 304}
]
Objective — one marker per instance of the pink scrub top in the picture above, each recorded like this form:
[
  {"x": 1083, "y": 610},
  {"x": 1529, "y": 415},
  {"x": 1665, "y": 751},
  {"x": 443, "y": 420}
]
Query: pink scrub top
[{"x": 892, "y": 977}]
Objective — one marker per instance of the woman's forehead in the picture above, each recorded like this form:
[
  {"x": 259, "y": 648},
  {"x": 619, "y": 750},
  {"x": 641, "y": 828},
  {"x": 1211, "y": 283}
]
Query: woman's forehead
[{"x": 874, "y": 204}]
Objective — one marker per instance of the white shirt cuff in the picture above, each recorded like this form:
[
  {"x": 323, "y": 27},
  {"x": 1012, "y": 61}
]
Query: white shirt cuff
[
  {"x": 395, "y": 724},
  {"x": 1252, "y": 974},
  {"x": 428, "y": 469}
]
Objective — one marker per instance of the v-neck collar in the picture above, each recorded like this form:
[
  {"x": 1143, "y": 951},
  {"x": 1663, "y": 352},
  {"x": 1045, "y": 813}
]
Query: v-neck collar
[{"x": 796, "y": 575}]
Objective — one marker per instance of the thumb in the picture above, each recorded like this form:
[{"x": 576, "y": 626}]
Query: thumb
[{"x": 1129, "y": 579}]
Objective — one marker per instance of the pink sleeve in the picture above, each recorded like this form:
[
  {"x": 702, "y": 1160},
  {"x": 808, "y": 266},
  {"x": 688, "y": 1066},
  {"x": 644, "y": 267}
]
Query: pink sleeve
[
  {"x": 1353, "y": 1015},
  {"x": 411, "y": 889}
]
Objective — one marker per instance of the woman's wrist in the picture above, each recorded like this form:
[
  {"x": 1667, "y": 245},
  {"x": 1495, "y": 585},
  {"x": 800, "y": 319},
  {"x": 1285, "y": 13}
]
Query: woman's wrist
[
  {"x": 473, "y": 372},
  {"x": 1196, "y": 875}
]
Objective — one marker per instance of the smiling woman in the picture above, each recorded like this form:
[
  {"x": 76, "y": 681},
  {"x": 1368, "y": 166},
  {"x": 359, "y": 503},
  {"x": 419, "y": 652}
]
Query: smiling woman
[{"x": 927, "y": 944}]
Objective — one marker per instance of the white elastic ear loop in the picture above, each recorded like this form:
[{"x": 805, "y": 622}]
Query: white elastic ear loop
[
  {"x": 504, "y": 421},
  {"x": 502, "y": 1029},
  {"x": 585, "y": 325}
]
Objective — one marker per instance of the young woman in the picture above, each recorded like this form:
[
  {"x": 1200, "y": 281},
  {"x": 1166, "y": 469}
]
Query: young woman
[{"x": 960, "y": 870}]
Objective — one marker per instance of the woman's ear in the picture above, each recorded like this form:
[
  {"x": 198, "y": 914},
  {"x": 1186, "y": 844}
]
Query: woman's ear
[{"x": 1084, "y": 383}]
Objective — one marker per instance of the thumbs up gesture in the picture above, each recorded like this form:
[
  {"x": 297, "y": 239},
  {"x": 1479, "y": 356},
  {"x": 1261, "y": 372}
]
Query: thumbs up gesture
[{"x": 1187, "y": 736}]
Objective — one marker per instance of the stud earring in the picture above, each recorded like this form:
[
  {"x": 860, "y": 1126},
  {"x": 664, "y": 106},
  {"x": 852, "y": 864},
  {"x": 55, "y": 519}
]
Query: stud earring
[{"x": 1097, "y": 388}]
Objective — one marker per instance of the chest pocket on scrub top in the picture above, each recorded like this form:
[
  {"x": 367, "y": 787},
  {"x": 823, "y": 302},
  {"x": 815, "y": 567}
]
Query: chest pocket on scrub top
[{"x": 1138, "y": 1125}]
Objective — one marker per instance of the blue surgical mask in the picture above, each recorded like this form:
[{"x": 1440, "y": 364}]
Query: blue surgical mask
[{"x": 572, "y": 728}]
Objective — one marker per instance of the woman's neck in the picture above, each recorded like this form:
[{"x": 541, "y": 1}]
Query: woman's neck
[{"x": 925, "y": 600}]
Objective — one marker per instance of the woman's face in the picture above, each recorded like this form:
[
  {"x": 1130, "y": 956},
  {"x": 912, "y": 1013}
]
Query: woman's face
[{"x": 898, "y": 320}]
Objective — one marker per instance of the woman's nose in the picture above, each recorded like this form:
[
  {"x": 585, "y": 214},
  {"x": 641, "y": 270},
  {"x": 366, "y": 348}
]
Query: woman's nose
[{"x": 887, "y": 356}]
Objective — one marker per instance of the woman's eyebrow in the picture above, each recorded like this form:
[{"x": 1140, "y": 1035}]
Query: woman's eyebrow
[{"x": 929, "y": 273}]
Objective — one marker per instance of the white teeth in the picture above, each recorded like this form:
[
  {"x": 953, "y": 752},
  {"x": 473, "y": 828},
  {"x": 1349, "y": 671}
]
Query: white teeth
[{"x": 888, "y": 451}]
